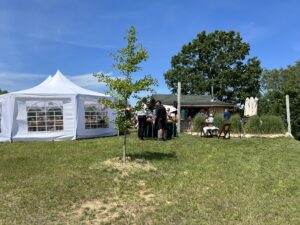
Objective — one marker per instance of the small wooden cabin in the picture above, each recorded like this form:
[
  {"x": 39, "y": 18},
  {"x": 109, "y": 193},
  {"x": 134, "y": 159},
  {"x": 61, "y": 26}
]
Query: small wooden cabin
[{"x": 193, "y": 104}]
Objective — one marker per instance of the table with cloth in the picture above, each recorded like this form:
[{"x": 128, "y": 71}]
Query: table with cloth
[{"x": 210, "y": 131}]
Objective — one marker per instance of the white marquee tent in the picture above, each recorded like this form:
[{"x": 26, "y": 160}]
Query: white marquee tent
[{"x": 57, "y": 109}]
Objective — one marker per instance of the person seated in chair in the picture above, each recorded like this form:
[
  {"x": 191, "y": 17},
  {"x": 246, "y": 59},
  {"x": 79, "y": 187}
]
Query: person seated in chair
[
  {"x": 209, "y": 129},
  {"x": 210, "y": 120}
]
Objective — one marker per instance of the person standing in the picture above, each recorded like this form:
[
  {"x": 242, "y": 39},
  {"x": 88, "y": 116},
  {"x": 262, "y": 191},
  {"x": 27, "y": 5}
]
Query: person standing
[
  {"x": 226, "y": 115},
  {"x": 160, "y": 120},
  {"x": 142, "y": 122}
]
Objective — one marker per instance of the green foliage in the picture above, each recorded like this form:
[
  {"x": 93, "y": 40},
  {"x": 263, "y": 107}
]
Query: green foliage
[
  {"x": 275, "y": 85},
  {"x": 218, "y": 59},
  {"x": 253, "y": 126},
  {"x": 266, "y": 124},
  {"x": 3, "y": 92},
  {"x": 199, "y": 119},
  {"x": 235, "y": 121},
  {"x": 271, "y": 124},
  {"x": 272, "y": 103},
  {"x": 219, "y": 120},
  {"x": 273, "y": 80},
  {"x": 123, "y": 87}
]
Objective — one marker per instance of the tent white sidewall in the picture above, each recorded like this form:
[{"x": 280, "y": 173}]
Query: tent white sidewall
[
  {"x": 82, "y": 132},
  {"x": 20, "y": 129},
  {"x": 6, "y": 120}
]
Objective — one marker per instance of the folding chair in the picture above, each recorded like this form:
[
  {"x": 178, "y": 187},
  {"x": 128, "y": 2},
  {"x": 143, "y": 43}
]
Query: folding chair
[{"x": 225, "y": 130}]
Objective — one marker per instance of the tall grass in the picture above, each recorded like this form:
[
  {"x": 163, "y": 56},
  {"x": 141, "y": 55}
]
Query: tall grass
[
  {"x": 219, "y": 120},
  {"x": 197, "y": 123},
  {"x": 253, "y": 126},
  {"x": 266, "y": 124},
  {"x": 271, "y": 124},
  {"x": 235, "y": 121}
]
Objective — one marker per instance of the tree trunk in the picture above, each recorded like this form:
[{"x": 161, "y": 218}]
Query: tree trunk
[
  {"x": 124, "y": 145},
  {"x": 125, "y": 133}
]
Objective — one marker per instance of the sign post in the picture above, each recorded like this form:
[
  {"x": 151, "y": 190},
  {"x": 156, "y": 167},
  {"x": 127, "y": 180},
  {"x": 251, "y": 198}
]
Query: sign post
[
  {"x": 288, "y": 114},
  {"x": 178, "y": 107}
]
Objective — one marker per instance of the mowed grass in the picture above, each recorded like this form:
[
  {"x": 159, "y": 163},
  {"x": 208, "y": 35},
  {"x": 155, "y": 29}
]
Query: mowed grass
[{"x": 196, "y": 181}]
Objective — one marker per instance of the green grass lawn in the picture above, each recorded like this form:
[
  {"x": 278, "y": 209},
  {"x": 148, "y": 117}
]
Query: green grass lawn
[{"x": 196, "y": 181}]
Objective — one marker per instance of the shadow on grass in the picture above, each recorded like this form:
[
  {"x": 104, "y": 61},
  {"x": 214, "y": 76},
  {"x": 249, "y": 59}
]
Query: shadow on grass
[{"x": 153, "y": 155}]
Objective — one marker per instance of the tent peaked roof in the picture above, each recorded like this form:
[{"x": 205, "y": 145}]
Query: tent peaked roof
[{"x": 59, "y": 84}]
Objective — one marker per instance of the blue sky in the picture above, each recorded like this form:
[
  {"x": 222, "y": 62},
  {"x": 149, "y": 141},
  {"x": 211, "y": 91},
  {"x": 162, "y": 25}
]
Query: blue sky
[{"x": 37, "y": 37}]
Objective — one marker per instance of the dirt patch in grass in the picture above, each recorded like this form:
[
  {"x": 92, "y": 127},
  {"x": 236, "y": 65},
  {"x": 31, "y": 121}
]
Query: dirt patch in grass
[
  {"x": 117, "y": 210},
  {"x": 130, "y": 166},
  {"x": 96, "y": 212},
  {"x": 123, "y": 207}
]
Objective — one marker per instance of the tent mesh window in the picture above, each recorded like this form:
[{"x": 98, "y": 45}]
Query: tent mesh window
[
  {"x": 0, "y": 116},
  {"x": 96, "y": 116},
  {"x": 45, "y": 116}
]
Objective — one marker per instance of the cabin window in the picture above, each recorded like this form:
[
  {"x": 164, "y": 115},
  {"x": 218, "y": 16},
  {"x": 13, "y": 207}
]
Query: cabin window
[
  {"x": 0, "y": 116},
  {"x": 96, "y": 116},
  {"x": 45, "y": 116}
]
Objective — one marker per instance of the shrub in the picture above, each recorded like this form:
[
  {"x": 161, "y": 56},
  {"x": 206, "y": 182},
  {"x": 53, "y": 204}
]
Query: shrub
[
  {"x": 265, "y": 125},
  {"x": 218, "y": 120},
  {"x": 235, "y": 121},
  {"x": 253, "y": 125},
  {"x": 271, "y": 124},
  {"x": 198, "y": 120}
]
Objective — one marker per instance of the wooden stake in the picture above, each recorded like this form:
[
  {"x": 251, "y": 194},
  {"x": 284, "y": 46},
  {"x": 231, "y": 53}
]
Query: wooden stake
[
  {"x": 178, "y": 107},
  {"x": 288, "y": 115}
]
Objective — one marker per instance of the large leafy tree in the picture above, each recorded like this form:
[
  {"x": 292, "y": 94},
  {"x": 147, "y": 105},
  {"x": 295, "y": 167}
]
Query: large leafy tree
[
  {"x": 272, "y": 100},
  {"x": 275, "y": 85},
  {"x": 3, "y": 92},
  {"x": 124, "y": 86},
  {"x": 217, "y": 59}
]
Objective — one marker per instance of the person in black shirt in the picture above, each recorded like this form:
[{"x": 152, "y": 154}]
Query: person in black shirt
[{"x": 160, "y": 120}]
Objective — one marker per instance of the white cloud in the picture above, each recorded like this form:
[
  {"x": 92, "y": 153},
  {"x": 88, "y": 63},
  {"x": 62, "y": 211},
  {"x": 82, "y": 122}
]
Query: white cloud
[
  {"x": 86, "y": 80},
  {"x": 14, "y": 81},
  {"x": 68, "y": 41}
]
